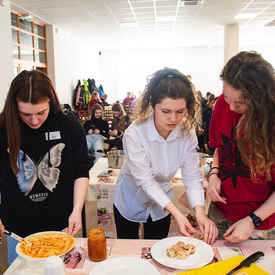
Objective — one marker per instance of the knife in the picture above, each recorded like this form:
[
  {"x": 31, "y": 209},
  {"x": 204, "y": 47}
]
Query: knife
[
  {"x": 246, "y": 263},
  {"x": 16, "y": 237}
]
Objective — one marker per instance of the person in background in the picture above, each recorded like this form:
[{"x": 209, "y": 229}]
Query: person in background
[
  {"x": 241, "y": 181},
  {"x": 206, "y": 117},
  {"x": 67, "y": 108},
  {"x": 120, "y": 123},
  {"x": 43, "y": 161},
  {"x": 127, "y": 100},
  {"x": 96, "y": 128},
  {"x": 205, "y": 100},
  {"x": 161, "y": 140},
  {"x": 104, "y": 100},
  {"x": 209, "y": 113},
  {"x": 95, "y": 99},
  {"x": 199, "y": 124}
]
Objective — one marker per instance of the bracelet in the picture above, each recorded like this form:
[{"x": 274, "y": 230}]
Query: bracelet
[
  {"x": 211, "y": 175},
  {"x": 214, "y": 167}
]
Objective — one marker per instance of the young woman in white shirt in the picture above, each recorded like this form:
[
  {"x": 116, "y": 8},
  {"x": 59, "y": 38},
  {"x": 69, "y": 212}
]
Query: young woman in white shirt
[{"x": 161, "y": 140}]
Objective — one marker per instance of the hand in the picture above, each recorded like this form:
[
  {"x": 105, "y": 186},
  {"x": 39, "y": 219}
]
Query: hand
[
  {"x": 90, "y": 131},
  {"x": 113, "y": 133},
  {"x": 2, "y": 227},
  {"x": 97, "y": 131},
  {"x": 214, "y": 189},
  {"x": 185, "y": 228},
  {"x": 208, "y": 228},
  {"x": 239, "y": 231},
  {"x": 75, "y": 224}
]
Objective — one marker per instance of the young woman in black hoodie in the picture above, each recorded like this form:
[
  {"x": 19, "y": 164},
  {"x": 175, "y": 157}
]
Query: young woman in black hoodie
[
  {"x": 95, "y": 129},
  {"x": 44, "y": 161}
]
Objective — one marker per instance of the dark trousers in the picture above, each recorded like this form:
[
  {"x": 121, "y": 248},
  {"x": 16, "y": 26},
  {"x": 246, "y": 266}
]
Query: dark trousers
[{"x": 152, "y": 230}]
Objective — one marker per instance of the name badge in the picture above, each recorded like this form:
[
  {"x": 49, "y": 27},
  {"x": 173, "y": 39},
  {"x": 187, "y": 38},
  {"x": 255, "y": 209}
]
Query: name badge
[{"x": 53, "y": 135}]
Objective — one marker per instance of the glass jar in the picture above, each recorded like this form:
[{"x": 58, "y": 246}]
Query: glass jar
[{"x": 97, "y": 248}]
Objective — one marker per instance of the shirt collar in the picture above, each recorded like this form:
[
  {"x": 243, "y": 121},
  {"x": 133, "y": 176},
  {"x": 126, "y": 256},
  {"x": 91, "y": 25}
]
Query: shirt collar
[{"x": 154, "y": 135}]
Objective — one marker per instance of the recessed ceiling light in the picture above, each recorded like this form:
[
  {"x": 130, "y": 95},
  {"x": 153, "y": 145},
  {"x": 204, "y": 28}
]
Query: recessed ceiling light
[
  {"x": 128, "y": 24},
  {"x": 245, "y": 15},
  {"x": 165, "y": 18}
]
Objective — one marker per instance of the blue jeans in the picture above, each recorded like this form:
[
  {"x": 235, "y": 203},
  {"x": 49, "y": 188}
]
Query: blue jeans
[
  {"x": 96, "y": 142},
  {"x": 12, "y": 255}
]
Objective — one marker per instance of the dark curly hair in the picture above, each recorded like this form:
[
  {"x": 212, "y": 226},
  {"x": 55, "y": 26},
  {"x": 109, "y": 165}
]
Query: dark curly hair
[{"x": 166, "y": 83}]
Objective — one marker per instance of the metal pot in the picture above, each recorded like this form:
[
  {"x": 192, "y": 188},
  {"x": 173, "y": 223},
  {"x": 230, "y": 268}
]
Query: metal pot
[{"x": 115, "y": 158}]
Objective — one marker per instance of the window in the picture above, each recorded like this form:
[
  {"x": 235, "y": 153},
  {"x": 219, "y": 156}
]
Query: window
[{"x": 28, "y": 44}]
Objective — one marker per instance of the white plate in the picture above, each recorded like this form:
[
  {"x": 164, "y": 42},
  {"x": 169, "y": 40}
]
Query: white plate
[
  {"x": 38, "y": 259},
  {"x": 202, "y": 256},
  {"x": 124, "y": 266}
]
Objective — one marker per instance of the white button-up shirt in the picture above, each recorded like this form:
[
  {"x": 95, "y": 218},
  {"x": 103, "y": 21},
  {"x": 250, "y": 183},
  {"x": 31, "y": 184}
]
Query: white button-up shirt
[{"x": 144, "y": 184}]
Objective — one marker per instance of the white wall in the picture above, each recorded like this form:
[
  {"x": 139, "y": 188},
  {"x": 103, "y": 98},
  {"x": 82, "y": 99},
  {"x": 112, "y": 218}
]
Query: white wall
[
  {"x": 71, "y": 60},
  {"x": 127, "y": 70},
  {"x": 6, "y": 63},
  {"x": 122, "y": 71}
]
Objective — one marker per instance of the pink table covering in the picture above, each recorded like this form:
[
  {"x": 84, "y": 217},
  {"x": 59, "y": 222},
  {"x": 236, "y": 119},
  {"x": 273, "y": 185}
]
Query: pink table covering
[{"x": 133, "y": 248}]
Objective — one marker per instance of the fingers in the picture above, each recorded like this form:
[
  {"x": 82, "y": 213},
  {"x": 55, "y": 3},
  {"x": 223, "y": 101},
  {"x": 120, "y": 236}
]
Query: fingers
[
  {"x": 188, "y": 230},
  {"x": 214, "y": 196},
  {"x": 210, "y": 232},
  {"x": 65, "y": 230}
]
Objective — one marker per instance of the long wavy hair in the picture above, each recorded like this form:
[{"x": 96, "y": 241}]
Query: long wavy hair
[
  {"x": 119, "y": 123},
  {"x": 255, "y": 131},
  {"x": 94, "y": 108},
  {"x": 166, "y": 83},
  {"x": 28, "y": 87}
]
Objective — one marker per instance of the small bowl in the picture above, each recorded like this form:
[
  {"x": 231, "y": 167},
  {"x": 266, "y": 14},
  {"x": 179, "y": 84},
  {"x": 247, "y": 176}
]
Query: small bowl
[
  {"x": 115, "y": 158},
  {"x": 202, "y": 157}
]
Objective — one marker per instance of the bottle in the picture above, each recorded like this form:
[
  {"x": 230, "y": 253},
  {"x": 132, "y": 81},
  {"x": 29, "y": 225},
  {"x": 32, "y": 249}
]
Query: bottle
[{"x": 97, "y": 247}]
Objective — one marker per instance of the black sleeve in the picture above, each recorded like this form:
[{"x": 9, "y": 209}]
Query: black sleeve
[
  {"x": 87, "y": 126},
  {"x": 104, "y": 132}
]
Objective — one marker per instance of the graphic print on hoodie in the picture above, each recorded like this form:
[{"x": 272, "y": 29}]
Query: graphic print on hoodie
[{"x": 46, "y": 170}]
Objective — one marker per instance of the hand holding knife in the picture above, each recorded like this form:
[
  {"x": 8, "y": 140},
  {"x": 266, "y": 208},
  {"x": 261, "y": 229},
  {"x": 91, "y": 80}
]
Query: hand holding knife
[
  {"x": 246, "y": 263},
  {"x": 16, "y": 237}
]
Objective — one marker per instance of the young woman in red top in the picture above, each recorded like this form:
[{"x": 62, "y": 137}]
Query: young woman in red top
[{"x": 241, "y": 181}]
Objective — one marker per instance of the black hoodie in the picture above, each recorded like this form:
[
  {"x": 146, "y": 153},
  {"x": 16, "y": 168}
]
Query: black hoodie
[{"x": 40, "y": 198}]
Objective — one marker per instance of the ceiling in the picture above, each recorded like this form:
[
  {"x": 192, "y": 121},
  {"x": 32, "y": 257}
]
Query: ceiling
[{"x": 120, "y": 24}]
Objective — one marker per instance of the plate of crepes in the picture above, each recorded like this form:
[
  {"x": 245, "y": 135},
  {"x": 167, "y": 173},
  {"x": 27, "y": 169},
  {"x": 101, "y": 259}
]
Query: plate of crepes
[
  {"x": 45, "y": 244},
  {"x": 124, "y": 266},
  {"x": 182, "y": 252}
]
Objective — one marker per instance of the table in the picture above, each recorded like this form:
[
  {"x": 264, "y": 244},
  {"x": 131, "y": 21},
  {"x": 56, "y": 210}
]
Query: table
[
  {"x": 133, "y": 248},
  {"x": 100, "y": 192}
]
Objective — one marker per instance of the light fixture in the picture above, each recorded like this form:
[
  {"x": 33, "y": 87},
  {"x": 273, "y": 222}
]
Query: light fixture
[
  {"x": 165, "y": 18},
  {"x": 245, "y": 15},
  {"x": 128, "y": 24},
  {"x": 190, "y": 2}
]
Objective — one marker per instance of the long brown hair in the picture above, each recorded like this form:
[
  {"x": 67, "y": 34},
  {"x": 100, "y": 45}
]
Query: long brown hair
[
  {"x": 119, "y": 124},
  {"x": 94, "y": 108},
  {"x": 28, "y": 87},
  {"x": 255, "y": 132},
  {"x": 166, "y": 83}
]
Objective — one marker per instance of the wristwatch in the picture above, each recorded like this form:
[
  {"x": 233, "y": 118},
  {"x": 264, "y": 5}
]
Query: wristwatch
[{"x": 256, "y": 220}]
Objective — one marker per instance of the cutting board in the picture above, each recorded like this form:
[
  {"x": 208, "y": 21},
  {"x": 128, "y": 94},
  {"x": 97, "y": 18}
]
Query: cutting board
[{"x": 223, "y": 267}]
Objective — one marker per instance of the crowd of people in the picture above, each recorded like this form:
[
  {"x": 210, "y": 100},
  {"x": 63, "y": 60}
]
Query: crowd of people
[{"x": 44, "y": 160}]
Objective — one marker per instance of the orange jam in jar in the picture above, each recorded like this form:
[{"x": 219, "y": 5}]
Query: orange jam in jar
[{"x": 97, "y": 248}]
